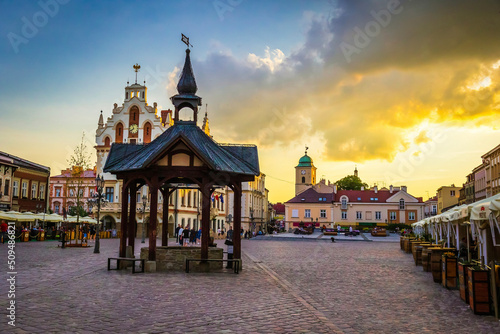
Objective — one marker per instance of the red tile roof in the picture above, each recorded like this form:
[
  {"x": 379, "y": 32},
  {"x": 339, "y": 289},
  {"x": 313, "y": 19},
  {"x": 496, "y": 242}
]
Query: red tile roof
[
  {"x": 312, "y": 196},
  {"x": 279, "y": 208},
  {"x": 366, "y": 196}
]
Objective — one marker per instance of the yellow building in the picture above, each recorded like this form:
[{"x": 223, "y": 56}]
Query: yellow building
[{"x": 447, "y": 196}]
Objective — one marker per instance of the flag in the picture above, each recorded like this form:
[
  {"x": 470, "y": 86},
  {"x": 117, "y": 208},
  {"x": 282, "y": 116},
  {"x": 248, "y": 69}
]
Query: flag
[
  {"x": 221, "y": 199},
  {"x": 213, "y": 198},
  {"x": 217, "y": 197}
]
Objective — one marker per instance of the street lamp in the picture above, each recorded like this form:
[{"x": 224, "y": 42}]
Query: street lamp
[
  {"x": 99, "y": 181},
  {"x": 144, "y": 202},
  {"x": 251, "y": 221}
]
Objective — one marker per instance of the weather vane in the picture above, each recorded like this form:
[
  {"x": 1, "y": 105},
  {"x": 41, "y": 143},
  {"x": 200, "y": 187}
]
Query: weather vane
[
  {"x": 136, "y": 67},
  {"x": 306, "y": 149},
  {"x": 185, "y": 39}
]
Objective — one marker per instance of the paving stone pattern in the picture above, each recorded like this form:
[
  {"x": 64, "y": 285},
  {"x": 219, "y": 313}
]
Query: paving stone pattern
[{"x": 285, "y": 287}]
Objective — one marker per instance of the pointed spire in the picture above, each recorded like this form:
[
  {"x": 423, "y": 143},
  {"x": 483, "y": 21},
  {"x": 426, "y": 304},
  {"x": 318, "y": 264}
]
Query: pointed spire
[
  {"x": 101, "y": 121},
  {"x": 205, "y": 127},
  {"x": 355, "y": 170},
  {"x": 187, "y": 83}
]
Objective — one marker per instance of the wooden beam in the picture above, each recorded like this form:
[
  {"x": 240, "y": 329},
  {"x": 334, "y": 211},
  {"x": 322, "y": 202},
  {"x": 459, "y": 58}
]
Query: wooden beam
[
  {"x": 132, "y": 221},
  {"x": 237, "y": 221},
  {"x": 205, "y": 220},
  {"x": 153, "y": 217},
  {"x": 164, "y": 230},
  {"x": 124, "y": 218}
]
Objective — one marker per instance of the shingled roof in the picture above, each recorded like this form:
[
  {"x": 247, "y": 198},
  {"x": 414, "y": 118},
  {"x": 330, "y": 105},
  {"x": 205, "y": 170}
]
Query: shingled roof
[
  {"x": 239, "y": 159},
  {"x": 312, "y": 196}
]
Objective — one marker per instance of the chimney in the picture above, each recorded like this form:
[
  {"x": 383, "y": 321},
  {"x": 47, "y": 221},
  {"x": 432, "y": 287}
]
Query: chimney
[
  {"x": 334, "y": 188},
  {"x": 403, "y": 188},
  {"x": 391, "y": 189},
  {"x": 375, "y": 189}
]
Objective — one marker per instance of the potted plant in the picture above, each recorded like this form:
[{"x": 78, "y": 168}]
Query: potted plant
[
  {"x": 463, "y": 279},
  {"x": 449, "y": 270}
]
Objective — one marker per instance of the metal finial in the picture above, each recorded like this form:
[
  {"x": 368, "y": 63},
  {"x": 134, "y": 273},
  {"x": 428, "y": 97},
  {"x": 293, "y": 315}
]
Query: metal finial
[
  {"x": 306, "y": 149},
  {"x": 136, "y": 67}
]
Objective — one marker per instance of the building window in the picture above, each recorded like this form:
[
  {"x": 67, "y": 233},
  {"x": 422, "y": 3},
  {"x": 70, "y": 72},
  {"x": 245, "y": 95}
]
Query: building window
[
  {"x": 110, "y": 194},
  {"x": 295, "y": 213},
  {"x": 378, "y": 215},
  {"x": 307, "y": 213},
  {"x": 189, "y": 198},
  {"x": 411, "y": 215},
  {"x": 71, "y": 192},
  {"x": 452, "y": 193},
  {"x": 303, "y": 179},
  {"x": 24, "y": 190},
  {"x": 15, "y": 189},
  {"x": 42, "y": 191},
  {"x": 6, "y": 188},
  {"x": 33, "y": 191},
  {"x": 344, "y": 215},
  {"x": 401, "y": 204},
  {"x": 359, "y": 215},
  {"x": 434, "y": 210},
  {"x": 58, "y": 192},
  {"x": 322, "y": 213},
  {"x": 343, "y": 200},
  {"x": 393, "y": 215},
  {"x": 56, "y": 208}
]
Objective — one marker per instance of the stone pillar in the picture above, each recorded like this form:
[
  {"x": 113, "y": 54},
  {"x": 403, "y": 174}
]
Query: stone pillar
[
  {"x": 124, "y": 218},
  {"x": 153, "y": 217}
]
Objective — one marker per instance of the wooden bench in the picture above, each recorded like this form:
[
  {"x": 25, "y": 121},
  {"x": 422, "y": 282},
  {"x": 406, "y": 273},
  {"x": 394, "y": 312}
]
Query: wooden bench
[
  {"x": 120, "y": 259},
  {"x": 236, "y": 263}
]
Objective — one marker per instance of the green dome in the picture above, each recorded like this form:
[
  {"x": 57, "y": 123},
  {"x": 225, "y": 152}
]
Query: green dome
[{"x": 305, "y": 161}]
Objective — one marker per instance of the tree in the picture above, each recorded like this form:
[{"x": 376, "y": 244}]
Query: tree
[
  {"x": 350, "y": 182},
  {"x": 79, "y": 163}
]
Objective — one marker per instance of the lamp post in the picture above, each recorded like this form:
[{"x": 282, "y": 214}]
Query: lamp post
[
  {"x": 99, "y": 181},
  {"x": 251, "y": 221},
  {"x": 144, "y": 202}
]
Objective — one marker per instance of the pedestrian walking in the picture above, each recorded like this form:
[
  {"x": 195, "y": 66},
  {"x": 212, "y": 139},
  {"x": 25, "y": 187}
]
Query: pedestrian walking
[
  {"x": 192, "y": 236},
  {"x": 185, "y": 236},
  {"x": 3, "y": 229},
  {"x": 198, "y": 237},
  {"x": 177, "y": 233},
  {"x": 181, "y": 230}
]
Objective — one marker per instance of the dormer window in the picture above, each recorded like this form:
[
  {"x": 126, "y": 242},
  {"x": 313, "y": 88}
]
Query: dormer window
[
  {"x": 343, "y": 201},
  {"x": 401, "y": 204}
]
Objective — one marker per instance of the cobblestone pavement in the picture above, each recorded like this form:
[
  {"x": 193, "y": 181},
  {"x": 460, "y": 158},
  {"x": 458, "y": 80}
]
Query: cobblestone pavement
[{"x": 285, "y": 287}]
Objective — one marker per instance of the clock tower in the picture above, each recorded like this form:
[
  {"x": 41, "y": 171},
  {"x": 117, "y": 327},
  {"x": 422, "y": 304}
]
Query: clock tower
[{"x": 305, "y": 174}]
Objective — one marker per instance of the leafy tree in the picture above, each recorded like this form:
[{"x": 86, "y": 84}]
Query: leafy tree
[
  {"x": 79, "y": 163},
  {"x": 350, "y": 182},
  {"x": 79, "y": 211}
]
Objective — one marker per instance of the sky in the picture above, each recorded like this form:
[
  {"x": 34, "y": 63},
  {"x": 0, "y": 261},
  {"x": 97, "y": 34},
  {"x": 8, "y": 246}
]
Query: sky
[{"x": 407, "y": 91}]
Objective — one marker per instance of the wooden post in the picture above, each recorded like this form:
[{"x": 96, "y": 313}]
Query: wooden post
[
  {"x": 237, "y": 221},
  {"x": 132, "y": 221},
  {"x": 164, "y": 228},
  {"x": 124, "y": 218},
  {"x": 153, "y": 214},
  {"x": 205, "y": 221}
]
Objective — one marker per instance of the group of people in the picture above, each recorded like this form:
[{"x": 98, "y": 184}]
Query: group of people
[{"x": 185, "y": 236}]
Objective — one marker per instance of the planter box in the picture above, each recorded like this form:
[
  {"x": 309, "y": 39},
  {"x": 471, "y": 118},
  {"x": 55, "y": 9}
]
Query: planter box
[
  {"x": 479, "y": 290},
  {"x": 449, "y": 272},
  {"x": 463, "y": 281}
]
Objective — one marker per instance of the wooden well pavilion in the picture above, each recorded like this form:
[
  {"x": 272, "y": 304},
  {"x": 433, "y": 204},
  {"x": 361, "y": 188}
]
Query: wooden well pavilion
[{"x": 182, "y": 157}]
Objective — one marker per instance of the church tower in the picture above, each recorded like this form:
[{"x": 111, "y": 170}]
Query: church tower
[{"x": 305, "y": 174}]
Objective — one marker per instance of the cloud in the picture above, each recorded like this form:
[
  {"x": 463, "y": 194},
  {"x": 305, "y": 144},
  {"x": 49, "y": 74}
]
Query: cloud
[
  {"x": 430, "y": 61},
  {"x": 422, "y": 138}
]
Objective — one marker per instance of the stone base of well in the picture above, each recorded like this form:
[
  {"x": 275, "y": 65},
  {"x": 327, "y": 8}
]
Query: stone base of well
[{"x": 172, "y": 258}]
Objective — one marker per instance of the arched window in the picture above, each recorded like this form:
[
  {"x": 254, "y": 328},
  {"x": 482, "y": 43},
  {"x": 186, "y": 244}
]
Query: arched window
[
  {"x": 343, "y": 201},
  {"x": 401, "y": 204},
  {"x": 119, "y": 133},
  {"x": 107, "y": 141},
  {"x": 147, "y": 133},
  {"x": 303, "y": 179}
]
